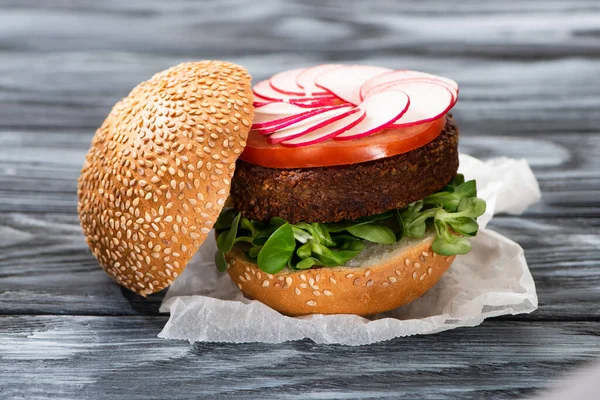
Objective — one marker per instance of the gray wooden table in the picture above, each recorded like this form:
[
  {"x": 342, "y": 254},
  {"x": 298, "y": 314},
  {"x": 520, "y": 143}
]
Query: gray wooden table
[{"x": 530, "y": 87}]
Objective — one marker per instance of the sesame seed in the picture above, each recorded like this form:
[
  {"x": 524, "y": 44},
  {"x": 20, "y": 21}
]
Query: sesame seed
[
  {"x": 327, "y": 292},
  {"x": 349, "y": 276},
  {"x": 241, "y": 278},
  {"x": 398, "y": 272},
  {"x": 144, "y": 151},
  {"x": 303, "y": 285},
  {"x": 239, "y": 286},
  {"x": 425, "y": 254},
  {"x": 357, "y": 281},
  {"x": 429, "y": 270},
  {"x": 265, "y": 283},
  {"x": 370, "y": 282},
  {"x": 332, "y": 280},
  {"x": 417, "y": 265},
  {"x": 316, "y": 293},
  {"x": 392, "y": 279},
  {"x": 407, "y": 262},
  {"x": 385, "y": 284},
  {"x": 367, "y": 273},
  {"x": 423, "y": 276},
  {"x": 288, "y": 281},
  {"x": 311, "y": 303},
  {"x": 303, "y": 277},
  {"x": 297, "y": 291},
  {"x": 414, "y": 275}
]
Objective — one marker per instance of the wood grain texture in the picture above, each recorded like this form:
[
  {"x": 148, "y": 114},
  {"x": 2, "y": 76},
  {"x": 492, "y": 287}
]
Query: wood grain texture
[
  {"x": 112, "y": 358},
  {"x": 528, "y": 74}
]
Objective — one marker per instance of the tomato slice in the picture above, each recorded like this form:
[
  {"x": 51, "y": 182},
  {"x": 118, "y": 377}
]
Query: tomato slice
[{"x": 387, "y": 143}]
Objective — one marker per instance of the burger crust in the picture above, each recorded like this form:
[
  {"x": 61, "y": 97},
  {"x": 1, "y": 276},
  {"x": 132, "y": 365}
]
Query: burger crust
[
  {"x": 159, "y": 169},
  {"x": 389, "y": 283},
  {"x": 346, "y": 192}
]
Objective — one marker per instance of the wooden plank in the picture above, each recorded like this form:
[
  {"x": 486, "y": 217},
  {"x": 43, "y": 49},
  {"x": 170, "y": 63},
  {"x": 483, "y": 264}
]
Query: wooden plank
[
  {"x": 66, "y": 75},
  {"x": 527, "y": 72},
  {"x": 46, "y": 268},
  {"x": 121, "y": 358},
  {"x": 281, "y": 27},
  {"x": 497, "y": 97}
]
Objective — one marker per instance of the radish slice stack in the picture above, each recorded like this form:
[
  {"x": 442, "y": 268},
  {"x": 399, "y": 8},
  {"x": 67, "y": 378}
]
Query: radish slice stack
[{"x": 305, "y": 106}]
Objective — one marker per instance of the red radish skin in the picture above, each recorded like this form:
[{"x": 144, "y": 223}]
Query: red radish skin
[
  {"x": 327, "y": 132},
  {"x": 401, "y": 75},
  {"x": 306, "y": 78},
  {"x": 269, "y": 120},
  {"x": 311, "y": 124},
  {"x": 281, "y": 108},
  {"x": 346, "y": 81},
  {"x": 428, "y": 101},
  {"x": 308, "y": 106},
  {"x": 382, "y": 110},
  {"x": 318, "y": 102},
  {"x": 385, "y": 86},
  {"x": 264, "y": 91},
  {"x": 271, "y": 128},
  {"x": 285, "y": 82}
]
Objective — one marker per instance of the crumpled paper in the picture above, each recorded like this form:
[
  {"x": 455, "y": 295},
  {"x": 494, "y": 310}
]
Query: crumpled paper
[{"x": 493, "y": 279}]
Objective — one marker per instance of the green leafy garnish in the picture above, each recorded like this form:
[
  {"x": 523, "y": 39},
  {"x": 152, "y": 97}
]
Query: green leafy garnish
[
  {"x": 220, "y": 261},
  {"x": 277, "y": 250},
  {"x": 373, "y": 233},
  {"x": 226, "y": 240},
  {"x": 276, "y": 244}
]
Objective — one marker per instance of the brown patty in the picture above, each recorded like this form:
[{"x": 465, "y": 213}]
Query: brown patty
[{"x": 332, "y": 194}]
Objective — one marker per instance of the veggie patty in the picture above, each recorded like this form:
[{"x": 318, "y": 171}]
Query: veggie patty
[{"x": 347, "y": 192}]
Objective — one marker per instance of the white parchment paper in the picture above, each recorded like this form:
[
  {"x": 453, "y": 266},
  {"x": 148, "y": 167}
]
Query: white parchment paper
[{"x": 493, "y": 279}]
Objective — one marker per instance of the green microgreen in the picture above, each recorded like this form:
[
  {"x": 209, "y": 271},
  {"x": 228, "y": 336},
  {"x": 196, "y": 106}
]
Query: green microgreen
[{"x": 274, "y": 245}]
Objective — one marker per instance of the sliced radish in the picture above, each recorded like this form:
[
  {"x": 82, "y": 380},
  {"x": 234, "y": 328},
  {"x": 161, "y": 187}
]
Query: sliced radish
[
  {"x": 317, "y": 102},
  {"x": 392, "y": 76},
  {"x": 328, "y": 131},
  {"x": 345, "y": 81},
  {"x": 306, "y": 78},
  {"x": 428, "y": 101},
  {"x": 264, "y": 91},
  {"x": 285, "y": 82},
  {"x": 382, "y": 110},
  {"x": 390, "y": 85},
  {"x": 283, "y": 123},
  {"x": 259, "y": 98},
  {"x": 265, "y": 120},
  {"x": 280, "y": 107},
  {"x": 312, "y": 123}
]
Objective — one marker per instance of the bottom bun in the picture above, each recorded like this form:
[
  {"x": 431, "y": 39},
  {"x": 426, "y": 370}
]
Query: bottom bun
[{"x": 379, "y": 279}]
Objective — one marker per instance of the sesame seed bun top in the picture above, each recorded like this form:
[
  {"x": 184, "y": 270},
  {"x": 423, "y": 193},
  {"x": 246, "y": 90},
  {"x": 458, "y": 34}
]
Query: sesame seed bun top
[{"x": 159, "y": 170}]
